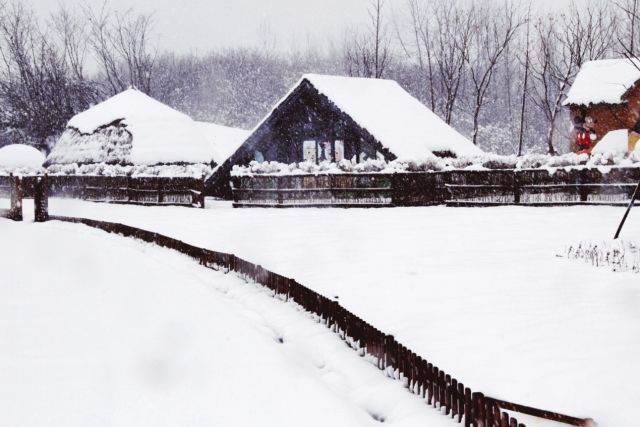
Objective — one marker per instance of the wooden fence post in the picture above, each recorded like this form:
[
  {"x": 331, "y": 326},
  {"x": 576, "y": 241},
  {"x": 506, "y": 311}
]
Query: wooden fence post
[
  {"x": 15, "y": 212},
  {"x": 41, "y": 199},
  {"x": 160, "y": 192},
  {"x": 516, "y": 187},
  {"x": 467, "y": 407}
]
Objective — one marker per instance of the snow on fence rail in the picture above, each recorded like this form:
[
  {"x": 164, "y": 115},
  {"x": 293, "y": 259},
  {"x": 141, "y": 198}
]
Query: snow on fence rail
[
  {"x": 534, "y": 187},
  {"x": 421, "y": 377}
]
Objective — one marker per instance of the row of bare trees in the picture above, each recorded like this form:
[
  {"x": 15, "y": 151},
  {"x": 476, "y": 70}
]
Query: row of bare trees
[
  {"x": 43, "y": 76},
  {"x": 480, "y": 58},
  {"x": 497, "y": 70}
]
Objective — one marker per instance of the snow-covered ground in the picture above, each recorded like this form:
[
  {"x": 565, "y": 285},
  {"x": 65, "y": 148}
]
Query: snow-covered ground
[
  {"x": 480, "y": 292},
  {"x": 100, "y": 330}
]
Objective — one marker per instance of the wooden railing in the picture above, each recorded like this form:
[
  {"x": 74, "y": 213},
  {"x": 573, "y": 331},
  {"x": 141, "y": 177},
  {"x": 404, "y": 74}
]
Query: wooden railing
[
  {"x": 423, "y": 377},
  {"x": 183, "y": 191},
  {"x": 535, "y": 187}
]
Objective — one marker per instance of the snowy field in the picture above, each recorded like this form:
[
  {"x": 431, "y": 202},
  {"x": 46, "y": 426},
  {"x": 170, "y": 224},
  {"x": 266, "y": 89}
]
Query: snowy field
[
  {"x": 480, "y": 292},
  {"x": 100, "y": 330}
]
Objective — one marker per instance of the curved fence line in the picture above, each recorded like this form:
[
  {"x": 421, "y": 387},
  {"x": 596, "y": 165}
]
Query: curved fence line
[{"x": 422, "y": 377}]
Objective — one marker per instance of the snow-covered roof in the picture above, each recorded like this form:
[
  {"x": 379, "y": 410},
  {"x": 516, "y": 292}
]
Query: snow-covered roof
[
  {"x": 223, "y": 140},
  {"x": 615, "y": 141},
  {"x": 20, "y": 156},
  {"x": 400, "y": 122},
  {"x": 396, "y": 119},
  {"x": 159, "y": 134},
  {"x": 603, "y": 82}
]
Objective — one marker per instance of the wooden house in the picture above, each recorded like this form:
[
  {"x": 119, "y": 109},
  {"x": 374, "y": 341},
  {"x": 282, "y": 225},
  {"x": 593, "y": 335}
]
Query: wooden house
[
  {"x": 330, "y": 118},
  {"x": 605, "y": 96}
]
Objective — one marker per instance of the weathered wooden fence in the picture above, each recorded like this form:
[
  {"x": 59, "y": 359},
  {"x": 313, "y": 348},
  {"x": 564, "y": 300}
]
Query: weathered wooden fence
[
  {"x": 422, "y": 377},
  {"x": 364, "y": 190},
  {"x": 541, "y": 187},
  {"x": 534, "y": 187},
  {"x": 183, "y": 191}
]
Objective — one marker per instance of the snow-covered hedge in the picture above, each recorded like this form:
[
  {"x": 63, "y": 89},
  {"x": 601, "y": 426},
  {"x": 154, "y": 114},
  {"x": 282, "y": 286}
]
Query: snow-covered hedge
[
  {"x": 619, "y": 255},
  {"x": 21, "y": 171},
  {"x": 104, "y": 169},
  {"x": 483, "y": 162}
]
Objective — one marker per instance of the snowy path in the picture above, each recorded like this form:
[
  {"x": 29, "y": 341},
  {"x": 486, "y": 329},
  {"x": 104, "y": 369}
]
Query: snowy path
[
  {"x": 478, "y": 291},
  {"x": 100, "y": 330}
]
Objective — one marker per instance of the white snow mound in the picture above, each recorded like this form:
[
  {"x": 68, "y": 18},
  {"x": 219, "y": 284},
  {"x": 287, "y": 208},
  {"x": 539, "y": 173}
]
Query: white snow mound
[
  {"x": 20, "y": 156},
  {"x": 603, "y": 82},
  {"x": 223, "y": 140},
  {"x": 615, "y": 141},
  {"x": 160, "y": 134}
]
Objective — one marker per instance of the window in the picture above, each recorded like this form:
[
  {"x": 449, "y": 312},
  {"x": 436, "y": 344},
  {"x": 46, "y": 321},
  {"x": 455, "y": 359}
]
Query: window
[
  {"x": 258, "y": 156},
  {"x": 325, "y": 151},
  {"x": 339, "y": 150},
  {"x": 309, "y": 151}
]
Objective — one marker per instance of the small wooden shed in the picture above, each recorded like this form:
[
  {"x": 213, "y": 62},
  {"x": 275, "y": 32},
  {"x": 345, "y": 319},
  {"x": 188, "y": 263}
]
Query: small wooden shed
[
  {"x": 330, "y": 118},
  {"x": 605, "y": 96}
]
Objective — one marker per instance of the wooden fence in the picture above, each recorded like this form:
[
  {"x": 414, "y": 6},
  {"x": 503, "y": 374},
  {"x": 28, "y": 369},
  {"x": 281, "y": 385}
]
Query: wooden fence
[
  {"x": 542, "y": 188},
  {"x": 423, "y": 377},
  {"x": 183, "y": 191},
  {"x": 534, "y": 187}
]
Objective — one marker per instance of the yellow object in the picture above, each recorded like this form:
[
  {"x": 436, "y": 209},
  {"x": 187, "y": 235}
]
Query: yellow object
[{"x": 633, "y": 140}]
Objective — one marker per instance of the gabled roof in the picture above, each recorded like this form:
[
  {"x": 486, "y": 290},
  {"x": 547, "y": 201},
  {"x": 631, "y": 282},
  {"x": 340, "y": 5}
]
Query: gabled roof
[
  {"x": 604, "y": 81},
  {"x": 400, "y": 123},
  {"x": 159, "y": 134},
  {"x": 390, "y": 114}
]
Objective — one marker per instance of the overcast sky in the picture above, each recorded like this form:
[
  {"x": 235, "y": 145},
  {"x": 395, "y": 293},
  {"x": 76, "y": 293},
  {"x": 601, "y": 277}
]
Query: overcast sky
[{"x": 202, "y": 25}]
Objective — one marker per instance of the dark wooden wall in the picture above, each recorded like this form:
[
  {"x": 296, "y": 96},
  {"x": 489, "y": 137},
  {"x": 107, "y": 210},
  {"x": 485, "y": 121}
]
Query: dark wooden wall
[
  {"x": 309, "y": 116},
  {"x": 608, "y": 117}
]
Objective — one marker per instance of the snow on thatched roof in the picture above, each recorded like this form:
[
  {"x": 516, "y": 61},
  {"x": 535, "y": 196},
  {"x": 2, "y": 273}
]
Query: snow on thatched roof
[
  {"x": 133, "y": 128},
  {"x": 396, "y": 119},
  {"x": 603, "y": 82},
  {"x": 223, "y": 140},
  {"x": 20, "y": 156}
]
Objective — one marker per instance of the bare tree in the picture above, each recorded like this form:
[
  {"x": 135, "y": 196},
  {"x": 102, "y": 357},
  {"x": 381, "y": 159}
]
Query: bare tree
[
  {"x": 37, "y": 76},
  {"x": 492, "y": 33},
  {"x": 367, "y": 54},
  {"x": 585, "y": 33},
  {"x": 629, "y": 36},
  {"x": 120, "y": 43},
  {"x": 452, "y": 32},
  {"x": 418, "y": 46},
  {"x": 525, "y": 84}
]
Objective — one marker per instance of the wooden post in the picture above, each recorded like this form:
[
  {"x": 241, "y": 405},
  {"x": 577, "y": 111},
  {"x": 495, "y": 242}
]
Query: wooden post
[
  {"x": 160, "y": 192},
  {"x": 202, "y": 190},
  {"x": 15, "y": 212},
  {"x": 41, "y": 199},
  {"x": 626, "y": 214},
  {"x": 516, "y": 188}
]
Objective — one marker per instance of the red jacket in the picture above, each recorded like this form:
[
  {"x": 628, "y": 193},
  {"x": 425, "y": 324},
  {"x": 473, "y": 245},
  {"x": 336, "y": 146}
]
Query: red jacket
[{"x": 582, "y": 139}]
